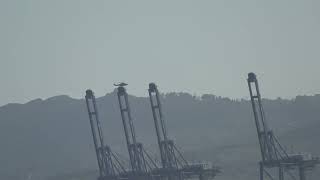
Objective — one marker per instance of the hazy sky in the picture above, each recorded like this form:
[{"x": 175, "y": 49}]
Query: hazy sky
[{"x": 57, "y": 47}]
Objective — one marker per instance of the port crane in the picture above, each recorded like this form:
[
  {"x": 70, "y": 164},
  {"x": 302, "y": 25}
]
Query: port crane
[
  {"x": 142, "y": 165},
  {"x": 174, "y": 165},
  {"x": 110, "y": 167},
  {"x": 273, "y": 153}
]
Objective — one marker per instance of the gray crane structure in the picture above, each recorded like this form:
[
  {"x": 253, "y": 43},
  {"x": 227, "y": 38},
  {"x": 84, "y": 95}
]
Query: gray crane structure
[
  {"x": 142, "y": 167},
  {"x": 110, "y": 168},
  {"x": 174, "y": 165},
  {"x": 141, "y": 162},
  {"x": 274, "y": 155}
]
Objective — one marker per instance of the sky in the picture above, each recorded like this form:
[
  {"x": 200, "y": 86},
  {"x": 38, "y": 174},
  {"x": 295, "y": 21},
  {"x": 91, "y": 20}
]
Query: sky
[{"x": 49, "y": 48}]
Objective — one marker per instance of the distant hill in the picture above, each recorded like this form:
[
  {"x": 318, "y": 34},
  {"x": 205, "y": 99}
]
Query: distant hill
[{"x": 51, "y": 138}]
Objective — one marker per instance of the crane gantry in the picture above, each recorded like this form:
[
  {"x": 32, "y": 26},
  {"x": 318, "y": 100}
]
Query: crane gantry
[
  {"x": 174, "y": 165},
  {"x": 273, "y": 153},
  {"x": 141, "y": 162},
  {"x": 110, "y": 167}
]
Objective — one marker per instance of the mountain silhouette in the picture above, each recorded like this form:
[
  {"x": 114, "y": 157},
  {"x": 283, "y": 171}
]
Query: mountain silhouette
[{"x": 51, "y": 139}]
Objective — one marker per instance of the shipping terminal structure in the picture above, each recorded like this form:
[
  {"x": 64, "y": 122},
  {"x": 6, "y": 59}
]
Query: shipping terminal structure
[
  {"x": 142, "y": 165},
  {"x": 275, "y": 164},
  {"x": 274, "y": 155}
]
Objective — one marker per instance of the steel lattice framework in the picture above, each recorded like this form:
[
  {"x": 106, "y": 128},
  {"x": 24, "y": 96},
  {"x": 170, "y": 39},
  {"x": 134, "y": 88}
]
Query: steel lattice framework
[
  {"x": 174, "y": 165},
  {"x": 110, "y": 167},
  {"x": 272, "y": 153},
  {"x": 142, "y": 164}
]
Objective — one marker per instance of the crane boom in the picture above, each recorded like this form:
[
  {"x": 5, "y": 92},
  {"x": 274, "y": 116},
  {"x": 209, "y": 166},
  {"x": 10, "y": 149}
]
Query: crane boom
[
  {"x": 109, "y": 165},
  {"x": 174, "y": 165},
  {"x": 137, "y": 154},
  {"x": 271, "y": 150},
  {"x": 272, "y": 153},
  {"x": 169, "y": 158}
]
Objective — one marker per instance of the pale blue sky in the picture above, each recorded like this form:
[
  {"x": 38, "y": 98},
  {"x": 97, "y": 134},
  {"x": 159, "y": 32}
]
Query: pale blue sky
[{"x": 57, "y": 47}]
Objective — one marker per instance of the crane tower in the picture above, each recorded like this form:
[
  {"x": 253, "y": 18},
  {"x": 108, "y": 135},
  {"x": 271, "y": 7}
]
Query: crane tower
[
  {"x": 142, "y": 164},
  {"x": 174, "y": 165},
  {"x": 110, "y": 167},
  {"x": 272, "y": 152}
]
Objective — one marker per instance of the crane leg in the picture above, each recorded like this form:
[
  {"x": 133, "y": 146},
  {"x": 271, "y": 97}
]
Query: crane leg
[
  {"x": 302, "y": 174},
  {"x": 261, "y": 171},
  {"x": 281, "y": 177}
]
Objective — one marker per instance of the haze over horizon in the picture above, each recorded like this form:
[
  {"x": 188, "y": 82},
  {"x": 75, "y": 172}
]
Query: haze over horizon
[
  {"x": 53, "y": 138},
  {"x": 49, "y": 48}
]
